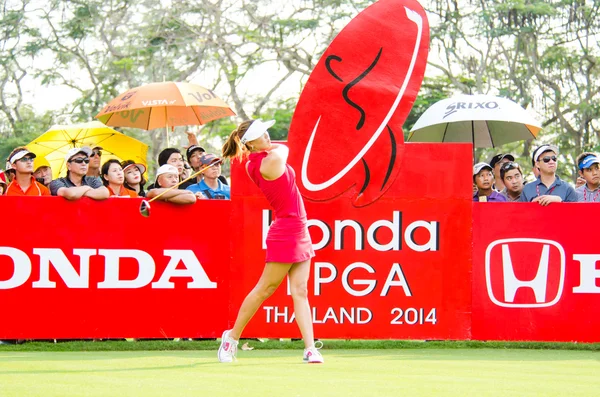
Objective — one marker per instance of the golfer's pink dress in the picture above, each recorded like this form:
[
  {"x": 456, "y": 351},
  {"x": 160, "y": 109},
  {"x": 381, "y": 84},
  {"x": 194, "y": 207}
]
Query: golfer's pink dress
[{"x": 288, "y": 240}]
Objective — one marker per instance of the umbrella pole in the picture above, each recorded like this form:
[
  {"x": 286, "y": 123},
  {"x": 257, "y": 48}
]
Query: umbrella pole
[
  {"x": 167, "y": 126},
  {"x": 473, "y": 138}
]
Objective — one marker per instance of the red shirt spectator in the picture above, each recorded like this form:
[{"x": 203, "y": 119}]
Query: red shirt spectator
[{"x": 24, "y": 183}]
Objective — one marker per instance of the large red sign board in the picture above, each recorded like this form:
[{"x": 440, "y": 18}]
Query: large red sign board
[{"x": 397, "y": 269}]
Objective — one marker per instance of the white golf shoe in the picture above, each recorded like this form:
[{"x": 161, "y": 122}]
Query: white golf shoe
[
  {"x": 228, "y": 348},
  {"x": 313, "y": 356}
]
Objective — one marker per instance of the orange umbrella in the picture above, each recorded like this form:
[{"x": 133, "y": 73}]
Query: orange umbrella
[{"x": 167, "y": 104}]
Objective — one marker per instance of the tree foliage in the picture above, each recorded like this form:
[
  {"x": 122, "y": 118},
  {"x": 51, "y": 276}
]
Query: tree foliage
[
  {"x": 544, "y": 55},
  {"x": 256, "y": 54}
]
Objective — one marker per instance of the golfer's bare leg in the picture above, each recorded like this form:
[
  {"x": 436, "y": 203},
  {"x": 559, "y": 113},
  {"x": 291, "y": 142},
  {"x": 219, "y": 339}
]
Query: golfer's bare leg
[
  {"x": 270, "y": 279},
  {"x": 298, "y": 285}
]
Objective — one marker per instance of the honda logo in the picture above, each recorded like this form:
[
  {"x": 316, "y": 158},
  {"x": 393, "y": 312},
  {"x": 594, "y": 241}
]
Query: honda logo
[{"x": 525, "y": 272}]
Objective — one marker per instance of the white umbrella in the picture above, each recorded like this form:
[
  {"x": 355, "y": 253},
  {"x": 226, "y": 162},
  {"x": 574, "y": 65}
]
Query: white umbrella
[{"x": 484, "y": 120}]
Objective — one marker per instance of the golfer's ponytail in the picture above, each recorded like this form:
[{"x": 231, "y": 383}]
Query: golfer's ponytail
[{"x": 233, "y": 147}]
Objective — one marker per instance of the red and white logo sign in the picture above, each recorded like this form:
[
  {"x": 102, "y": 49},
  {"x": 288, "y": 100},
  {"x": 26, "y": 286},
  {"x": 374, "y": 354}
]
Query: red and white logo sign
[{"x": 525, "y": 272}]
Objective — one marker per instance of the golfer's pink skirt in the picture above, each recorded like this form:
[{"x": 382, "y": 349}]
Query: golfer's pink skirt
[{"x": 288, "y": 241}]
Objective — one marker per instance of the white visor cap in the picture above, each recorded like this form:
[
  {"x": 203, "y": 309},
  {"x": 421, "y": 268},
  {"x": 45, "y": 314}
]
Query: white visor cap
[
  {"x": 20, "y": 154},
  {"x": 256, "y": 130},
  {"x": 544, "y": 148}
]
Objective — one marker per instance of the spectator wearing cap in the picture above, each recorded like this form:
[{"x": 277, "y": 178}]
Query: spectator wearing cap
[
  {"x": 512, "y": 177},
  {"x": 483, "y": 178},
  {"x": 77, "y": 184},
  {"x": 42, "y": 171},
  {"x": 134, "y": 176},
  {"x": 210, "y": 185},
  {"x": 114, "y": 178},
  {"x": 496, "y": 162},
  {"x": 168, "y": 176},
  {"x": 171, "y": 156},
  {"x": 548, "y": 188},
  {"x": 588, "y": 165},
  {"x": 24, "y": 183},
  {"x": 194, "y": 154},
  {"x": 95, "y": 160}
]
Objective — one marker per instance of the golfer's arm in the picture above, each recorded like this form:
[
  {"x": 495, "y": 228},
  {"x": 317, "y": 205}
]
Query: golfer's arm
[
  {"x": 273, "y": 166},
  {"x": 72, "y": 193},
  {"x": 100, "y": 193},
  {"x": 278, "y": 152}
]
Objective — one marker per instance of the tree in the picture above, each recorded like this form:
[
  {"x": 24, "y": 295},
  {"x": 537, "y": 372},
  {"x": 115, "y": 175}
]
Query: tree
[{"x": 542, "y": 54}]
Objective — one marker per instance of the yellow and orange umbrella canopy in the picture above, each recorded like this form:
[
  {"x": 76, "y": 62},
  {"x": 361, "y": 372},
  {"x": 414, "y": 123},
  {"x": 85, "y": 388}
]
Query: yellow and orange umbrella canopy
[{"x": 160, "y": 105}]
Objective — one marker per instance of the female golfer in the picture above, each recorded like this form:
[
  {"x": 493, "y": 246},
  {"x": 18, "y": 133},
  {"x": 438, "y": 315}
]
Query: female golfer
[{"x": 289, "y": 248}]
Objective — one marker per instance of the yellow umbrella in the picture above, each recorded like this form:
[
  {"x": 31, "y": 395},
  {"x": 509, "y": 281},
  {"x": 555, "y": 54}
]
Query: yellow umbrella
[{"x": 56, "y": 142}]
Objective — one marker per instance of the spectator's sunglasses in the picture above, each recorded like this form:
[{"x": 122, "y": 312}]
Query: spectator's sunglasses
[
  {"x": 96, "y": 152},
  {"x": 510, "y": 166},
  {"x": 79, "y": 161},
  {"x": 26, "y": 160},
  {"x": 548, "y": 158}
]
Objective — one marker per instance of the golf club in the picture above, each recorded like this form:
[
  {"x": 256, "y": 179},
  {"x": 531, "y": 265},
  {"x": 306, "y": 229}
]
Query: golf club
[{"x": 145, "y": 205}]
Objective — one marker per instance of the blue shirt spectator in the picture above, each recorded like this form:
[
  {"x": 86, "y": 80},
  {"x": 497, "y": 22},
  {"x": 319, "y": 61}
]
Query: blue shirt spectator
[
  {"x": 221, "y": 192},
  {"x": 548, "y": 188},
  {"x": 210, "y": 185},
  {"x": 589, "y": 172},
  {"x": 559, "y": 188}
]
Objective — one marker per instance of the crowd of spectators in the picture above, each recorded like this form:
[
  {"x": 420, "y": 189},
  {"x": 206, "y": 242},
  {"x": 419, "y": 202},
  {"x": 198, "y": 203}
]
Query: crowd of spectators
[
  {"x": 86, "y": 175},
  {"x": 502, "y": 180}
]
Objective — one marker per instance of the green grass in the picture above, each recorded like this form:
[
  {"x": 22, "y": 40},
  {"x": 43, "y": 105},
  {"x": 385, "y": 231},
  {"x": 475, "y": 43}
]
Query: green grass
[
  {"x": 287, "y": 345},
  {"x": 263, "y": 372}
]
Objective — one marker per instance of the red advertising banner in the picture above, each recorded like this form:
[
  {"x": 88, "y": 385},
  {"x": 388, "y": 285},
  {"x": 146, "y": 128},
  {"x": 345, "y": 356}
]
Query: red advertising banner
[
  {"x": 536, "y": 273},
  {"x": 398, "y": 269},
  {"x": 91, "y": 269}
]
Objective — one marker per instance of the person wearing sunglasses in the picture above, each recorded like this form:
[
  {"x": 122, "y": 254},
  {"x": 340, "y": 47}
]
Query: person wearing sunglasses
[
  {"x": 24, "y": 183},
  {"x": 483, "y": 177},
  {"x": 588, "y": 165},
  {"x": 548, "y": 188},
  {"x": 512, "y": 177},
  {"x": 77, "y": 184},
  {"x": 95, "y": 160}
]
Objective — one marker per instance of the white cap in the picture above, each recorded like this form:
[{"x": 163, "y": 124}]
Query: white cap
[
  {"x": 73, "y": 151},
  {"x": 20, "y": 154},
  {"x": 479, "y": 166},
  {"x": 256, "y": 130},
  {"x": 166, "y": 169},
  {"x": 140, "y": 167},
  {"x": 542, "y": 149}
]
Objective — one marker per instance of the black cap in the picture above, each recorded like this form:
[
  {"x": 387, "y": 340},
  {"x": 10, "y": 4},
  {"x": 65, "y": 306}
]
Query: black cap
[
  {"x": 500, "y": 157},
  {"x": 192, "y": 149}
]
